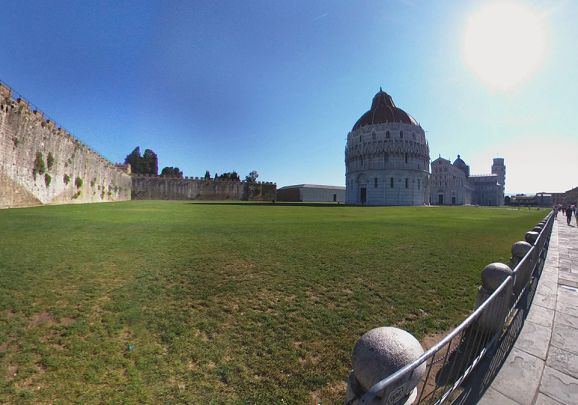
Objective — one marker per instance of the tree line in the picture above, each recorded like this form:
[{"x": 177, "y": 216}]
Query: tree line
[{"x": 148, "y": 163}]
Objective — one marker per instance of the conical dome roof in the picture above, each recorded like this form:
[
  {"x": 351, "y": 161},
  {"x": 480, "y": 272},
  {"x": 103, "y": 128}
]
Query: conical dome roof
[{"x": 383, "y": 110}]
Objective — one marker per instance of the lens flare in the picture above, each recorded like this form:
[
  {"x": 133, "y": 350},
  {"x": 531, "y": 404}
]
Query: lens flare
[{"x": 505, "y": 44}]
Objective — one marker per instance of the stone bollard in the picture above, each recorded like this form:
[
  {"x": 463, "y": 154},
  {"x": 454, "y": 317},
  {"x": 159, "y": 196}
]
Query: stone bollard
[
  {"x": 531, "y": 237},
  {"x": 378, "y": 354},
  {"x": 521, "y": 275},
  {"x": 492, "y": 319}
]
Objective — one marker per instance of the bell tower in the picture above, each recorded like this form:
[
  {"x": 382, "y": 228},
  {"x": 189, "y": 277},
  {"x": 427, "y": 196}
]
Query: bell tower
[{"x": 500, "y": 169}]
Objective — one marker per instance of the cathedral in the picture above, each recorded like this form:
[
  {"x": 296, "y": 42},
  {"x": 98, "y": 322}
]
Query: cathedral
[
  {"x": 452, "y": 184},
  {"x": 386, "y": 157}
]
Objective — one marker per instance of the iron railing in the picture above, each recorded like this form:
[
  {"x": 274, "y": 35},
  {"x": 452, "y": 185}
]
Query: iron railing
[{"x": 453, "y": 359}]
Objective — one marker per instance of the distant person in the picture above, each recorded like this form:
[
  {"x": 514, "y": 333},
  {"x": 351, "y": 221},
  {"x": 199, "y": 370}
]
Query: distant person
[{"x": 569, "y": 214}]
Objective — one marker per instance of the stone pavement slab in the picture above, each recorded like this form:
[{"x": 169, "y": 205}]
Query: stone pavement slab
[
  {"x": 544, "y": 400},
  {"x": 559, "y": 386},
  {"x": 566, "y": 319},
  {"x": 563, "y": 361},
  {"x": 545, "y": 300},
  {"x": 493, "y": 397},
  {"x": 519, "y": 377},
  {"x": 534, "y": 339},
  {"x": 547, "y": 287},
  {"x": 565, "y": 337},
  {"x": 541, "y": 316},
  {"x": 567, "y": 308}
]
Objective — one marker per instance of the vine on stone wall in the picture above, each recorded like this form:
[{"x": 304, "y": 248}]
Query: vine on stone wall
[
  {"x": 39, "y": 166},
  {"x": 78, "y": 182},
  {"x": 66, "y": 179},
  {"x": 50, "y": 160},
  {"x": 16, "y": 141},
  {"x": 47, "y": 179}
]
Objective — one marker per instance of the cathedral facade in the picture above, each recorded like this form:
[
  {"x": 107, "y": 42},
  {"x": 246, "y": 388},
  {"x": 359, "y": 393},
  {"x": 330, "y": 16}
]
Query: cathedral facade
[
  {"x": 386, "y": 157},
  {"x": 452, "y": 184}
]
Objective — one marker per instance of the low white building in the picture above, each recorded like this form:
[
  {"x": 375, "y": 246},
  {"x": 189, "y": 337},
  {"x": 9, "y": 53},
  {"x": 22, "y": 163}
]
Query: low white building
[{"x": 311, "y": 193}]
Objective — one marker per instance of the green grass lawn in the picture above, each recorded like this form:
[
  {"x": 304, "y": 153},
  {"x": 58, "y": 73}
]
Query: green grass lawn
[{"x": 167, "y": 302}]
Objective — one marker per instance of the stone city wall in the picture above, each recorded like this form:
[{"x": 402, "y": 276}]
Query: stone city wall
[
  {"x": 42, "y": 164},
  {"x": 148, "y": 187}
]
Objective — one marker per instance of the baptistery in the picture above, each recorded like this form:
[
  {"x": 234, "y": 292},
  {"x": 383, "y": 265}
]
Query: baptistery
[{"x": 387, "y": 157}]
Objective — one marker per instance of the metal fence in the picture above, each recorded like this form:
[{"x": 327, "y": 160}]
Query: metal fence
[{"x": 452, "y": 360}]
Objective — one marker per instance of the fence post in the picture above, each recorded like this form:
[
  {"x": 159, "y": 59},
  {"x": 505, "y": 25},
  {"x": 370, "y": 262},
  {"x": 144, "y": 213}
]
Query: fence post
[
  {"x": 492, "y": 319},
  {"x": 378, "y": 354},
  {"x": 521, "y": 275}
]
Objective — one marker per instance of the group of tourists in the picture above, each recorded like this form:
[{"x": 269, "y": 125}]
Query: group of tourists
[{"x": 568, "y": 211}]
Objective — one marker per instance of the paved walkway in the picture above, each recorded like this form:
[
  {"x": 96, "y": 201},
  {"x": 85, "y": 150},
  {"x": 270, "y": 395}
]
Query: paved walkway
[{"x": 542, "y": 367}]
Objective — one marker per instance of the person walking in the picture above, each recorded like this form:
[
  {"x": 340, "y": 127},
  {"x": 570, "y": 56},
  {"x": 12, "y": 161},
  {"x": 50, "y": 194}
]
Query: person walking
[{"x": 569, "y": 214}]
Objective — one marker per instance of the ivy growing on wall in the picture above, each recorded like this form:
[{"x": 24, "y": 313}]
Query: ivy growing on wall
[
  {"x": 47, "y": 179},
  {"x": 78, "y": 182},
  {"x": 39, "y": 166},
  {"x": 50, "y": 161},
  {"x": 66, "y": 179}
]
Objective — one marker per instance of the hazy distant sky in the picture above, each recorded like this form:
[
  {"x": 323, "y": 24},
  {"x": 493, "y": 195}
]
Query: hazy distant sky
[{"x": 276, "y": 85}]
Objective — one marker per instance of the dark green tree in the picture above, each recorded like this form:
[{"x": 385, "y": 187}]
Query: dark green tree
[
  {"x": 147, "y": 164},
  {"x": 151, "y": 162},
  {"x": 172, "y": 171},
  {"x": 207, "y": 175},
  {"x": 251, "y": 177},
  {"x": 135, "y": 161},
  {"x": 229, "y": 176}
]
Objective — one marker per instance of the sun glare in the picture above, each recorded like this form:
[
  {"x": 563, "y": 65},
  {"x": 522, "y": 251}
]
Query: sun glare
[{"x": 504, "y": 44}]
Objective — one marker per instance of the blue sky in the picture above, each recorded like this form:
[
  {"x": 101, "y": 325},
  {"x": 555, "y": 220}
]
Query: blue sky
[{"x": 275, "y": 86}]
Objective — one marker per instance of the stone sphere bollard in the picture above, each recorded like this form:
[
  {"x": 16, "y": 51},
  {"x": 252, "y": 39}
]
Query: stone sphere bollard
[
  {"x": 378, "y": 354},
  {"x": 537, "y": 228},
  {"x": 531, "y": 237},
  {"x": 522, "y": 274},
  {"x": 519, "y": 250},
  {"x": 492, "y": 319}
]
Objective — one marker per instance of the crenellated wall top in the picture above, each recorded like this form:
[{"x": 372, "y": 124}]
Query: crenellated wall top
[
  {"x": 152, "y": 176},
  {"x": 24, "y": 108}
]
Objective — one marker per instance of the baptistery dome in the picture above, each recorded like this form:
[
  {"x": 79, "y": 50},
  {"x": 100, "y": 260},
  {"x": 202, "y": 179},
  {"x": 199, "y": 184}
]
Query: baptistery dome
[
  {"x": 386, "y": 157},
  {"x": 383, "y": 110}
]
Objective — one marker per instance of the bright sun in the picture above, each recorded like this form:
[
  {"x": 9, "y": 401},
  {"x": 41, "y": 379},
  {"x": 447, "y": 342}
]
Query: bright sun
[{"x": 504, "y": 44}]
